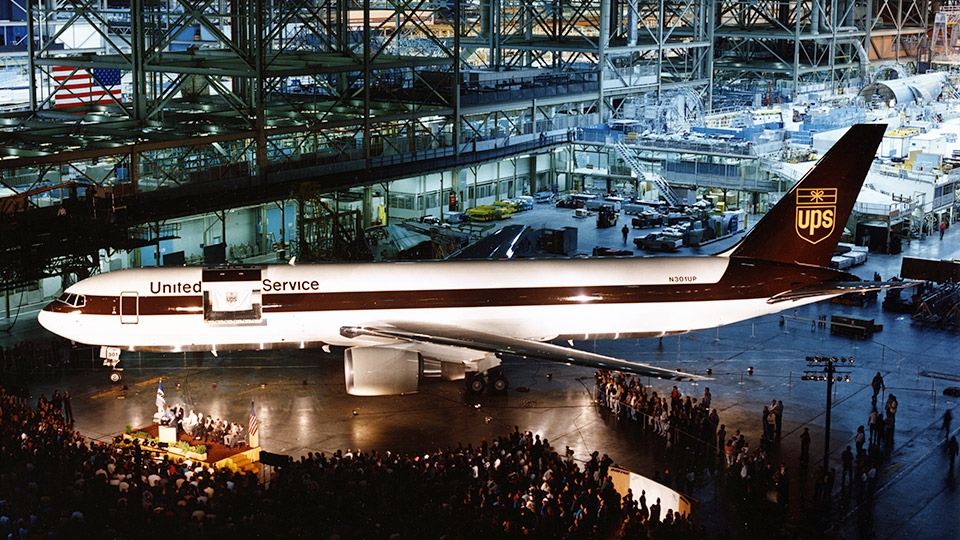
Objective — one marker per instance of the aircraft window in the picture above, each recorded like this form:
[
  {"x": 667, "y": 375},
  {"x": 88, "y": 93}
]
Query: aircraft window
[
  {"x": 72, "y": 299},
  {"x": 80, "y": 300},
  {"x": 63, "y": 298}
]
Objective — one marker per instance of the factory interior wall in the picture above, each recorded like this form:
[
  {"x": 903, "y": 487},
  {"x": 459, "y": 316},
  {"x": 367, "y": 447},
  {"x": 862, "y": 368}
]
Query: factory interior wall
[{"x": 488, "y": 183}]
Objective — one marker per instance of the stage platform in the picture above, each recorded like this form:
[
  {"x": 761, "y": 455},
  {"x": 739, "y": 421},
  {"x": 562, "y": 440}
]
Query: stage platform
[{"x": 240, "y": 458}]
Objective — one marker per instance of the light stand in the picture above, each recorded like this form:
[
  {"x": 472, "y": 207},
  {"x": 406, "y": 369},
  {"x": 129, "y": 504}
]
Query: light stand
[{"x": 825, "y": 369}]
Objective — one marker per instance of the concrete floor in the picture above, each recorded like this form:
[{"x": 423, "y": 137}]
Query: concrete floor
[{"x": 302, "y": 406}]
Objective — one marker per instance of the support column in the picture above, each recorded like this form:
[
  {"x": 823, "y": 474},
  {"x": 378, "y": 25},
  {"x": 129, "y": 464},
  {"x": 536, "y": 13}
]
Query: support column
[
  {"x": 31, "y": 67},
  {"x": 602, "y": 55},
  {"x": 367, "y": 209}
]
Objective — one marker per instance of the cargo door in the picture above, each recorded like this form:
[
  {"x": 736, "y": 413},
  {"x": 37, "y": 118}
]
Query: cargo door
[
  {"x": 129, "y": 308},
  {"x": 232, "y": 295}
]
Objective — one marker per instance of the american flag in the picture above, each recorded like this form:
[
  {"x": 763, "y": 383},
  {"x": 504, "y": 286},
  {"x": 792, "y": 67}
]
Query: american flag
[
  {"x": 253, "y": 421},
  {"x": 80, "y": 87}
]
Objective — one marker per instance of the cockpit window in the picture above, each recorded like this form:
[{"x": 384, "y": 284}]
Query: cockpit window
[{"x": 75, "y": 300}]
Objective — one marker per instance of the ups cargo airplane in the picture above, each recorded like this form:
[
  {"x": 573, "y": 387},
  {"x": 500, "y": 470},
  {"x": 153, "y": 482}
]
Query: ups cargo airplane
[{"x": 401, "y": 322}]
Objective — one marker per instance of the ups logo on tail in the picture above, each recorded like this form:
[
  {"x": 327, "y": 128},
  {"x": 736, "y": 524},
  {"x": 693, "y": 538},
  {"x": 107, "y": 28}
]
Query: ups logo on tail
[{"x": 816, "y": 213}]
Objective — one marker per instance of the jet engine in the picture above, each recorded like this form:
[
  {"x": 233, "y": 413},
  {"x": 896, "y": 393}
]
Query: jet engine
[{"x": 382, "y": 371}]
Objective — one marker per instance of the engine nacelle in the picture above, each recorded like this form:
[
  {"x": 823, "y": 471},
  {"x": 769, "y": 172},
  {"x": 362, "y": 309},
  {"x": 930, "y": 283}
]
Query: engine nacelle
[{"x": 382, "y": 371}]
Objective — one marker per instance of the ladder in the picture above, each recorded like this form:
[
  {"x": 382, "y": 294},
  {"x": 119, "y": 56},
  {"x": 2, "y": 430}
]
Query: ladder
[{"x": 637, "y": 167}]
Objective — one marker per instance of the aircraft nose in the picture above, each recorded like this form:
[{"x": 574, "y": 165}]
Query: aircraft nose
[
  {"x": 45, "y": 318},
  {"x": 52, "y": 319}
]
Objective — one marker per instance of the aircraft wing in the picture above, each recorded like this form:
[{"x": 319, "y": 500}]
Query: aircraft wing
[
  {"x": 839, "y": 287},
  {"x": 455, "y": 336}
]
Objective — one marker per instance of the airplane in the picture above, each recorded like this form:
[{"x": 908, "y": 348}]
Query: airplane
[{"x": 402, "y": 322}]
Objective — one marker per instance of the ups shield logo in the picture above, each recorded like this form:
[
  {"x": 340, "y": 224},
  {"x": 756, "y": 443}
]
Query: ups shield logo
[{"x": 816, "y": 213}]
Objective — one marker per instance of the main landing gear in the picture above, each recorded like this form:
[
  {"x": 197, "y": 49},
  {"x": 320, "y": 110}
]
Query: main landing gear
[{"x": 494, "y": 379}]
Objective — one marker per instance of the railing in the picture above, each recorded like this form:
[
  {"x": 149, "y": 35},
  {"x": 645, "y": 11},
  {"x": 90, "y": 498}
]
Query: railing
[
  {"x": 879, "y": 209},
  {"x": 918, "y": 176},
  {"x": 703, "y": 147}
]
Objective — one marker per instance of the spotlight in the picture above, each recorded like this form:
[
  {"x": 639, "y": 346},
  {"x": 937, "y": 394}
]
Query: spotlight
[
  {"x": 549, "y": 376},
  {"x": 750, "y": 370},
  {"x": 709, "y": 371},
  {"x": 355, "y": 412}
]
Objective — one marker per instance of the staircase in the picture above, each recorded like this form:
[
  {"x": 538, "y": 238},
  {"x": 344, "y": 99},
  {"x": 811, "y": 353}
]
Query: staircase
[
  {"x": 241, "y": 463},
  {"x": 665, "y": 190}
]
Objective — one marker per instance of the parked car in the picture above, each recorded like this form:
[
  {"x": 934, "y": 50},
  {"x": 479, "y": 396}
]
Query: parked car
[
  {"x": 543, "y": 196},
  {"x": 656, "y": 242},
  {"x": 647, "y": 220},
  {"x": 611, "y": 252},
  {"x": 568, "y": 202}
]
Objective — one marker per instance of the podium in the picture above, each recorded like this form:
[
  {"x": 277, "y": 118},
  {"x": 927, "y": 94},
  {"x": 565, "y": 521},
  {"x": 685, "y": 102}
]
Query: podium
[{"x": 168, "y": 434}]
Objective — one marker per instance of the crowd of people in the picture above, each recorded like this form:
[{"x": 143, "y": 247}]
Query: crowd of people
[
  {"x": 54, "y": 483},
  {"x": 29, "y": 357},
  {"x": 684, "y": 422},
  {"x": 754, "y": 474},
  {"x": 202, "y": 427}
]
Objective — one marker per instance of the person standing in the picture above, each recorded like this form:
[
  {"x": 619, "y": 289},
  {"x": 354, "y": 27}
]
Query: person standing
[
  {"x": 943, "y": 228},
  {"x": 771, "y": 423},
  {"x": 872, "y": 423},
  {"x": 891, "y": 408},
  {"x": 764, "y": 423},
  {"x": 860, "y": 439},
  {"x": 805, "y": 447},
  {"x": 947, "y": 419},
  {"x": 57, "y": 402},
  {"x": 782, "y": 481},
  {"x": 778, "y": 410},
  {"x": 68, "y": 406},
  {"x": 952, "y": 449},
  {"x": 721, "y": 437},
  {"x": 877, "y": 384},
  {"x": 626, "y": 232},
  {"x": 847, "y": 458}
]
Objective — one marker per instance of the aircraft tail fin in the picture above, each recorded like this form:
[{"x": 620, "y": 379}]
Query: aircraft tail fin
[{"x": 805, "y": 226}]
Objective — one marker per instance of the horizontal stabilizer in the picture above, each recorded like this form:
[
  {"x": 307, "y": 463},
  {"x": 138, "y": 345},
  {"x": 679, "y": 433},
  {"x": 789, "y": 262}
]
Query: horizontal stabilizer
[
  {"x": 454, "y": 336},
  {"x": 839, "y": 287}
]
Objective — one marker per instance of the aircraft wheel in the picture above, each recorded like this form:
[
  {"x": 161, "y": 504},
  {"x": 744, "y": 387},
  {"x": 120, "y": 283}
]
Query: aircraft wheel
[
  {"x": 499, "y": 384},
  {"x": 476, "y": 384},
  {"x": 116, "y": 376}
]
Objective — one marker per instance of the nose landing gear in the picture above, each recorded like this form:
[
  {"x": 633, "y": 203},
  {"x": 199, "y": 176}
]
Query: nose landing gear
[{"x": 111, "y": 359}]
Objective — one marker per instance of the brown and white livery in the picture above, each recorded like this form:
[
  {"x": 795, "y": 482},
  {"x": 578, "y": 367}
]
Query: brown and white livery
[{"x": 401, "y": 322}]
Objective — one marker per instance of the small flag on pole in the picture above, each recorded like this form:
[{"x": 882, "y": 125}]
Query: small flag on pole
[
  {"x": 252, "y": 431},
  {"x": 161, "y": 400}
]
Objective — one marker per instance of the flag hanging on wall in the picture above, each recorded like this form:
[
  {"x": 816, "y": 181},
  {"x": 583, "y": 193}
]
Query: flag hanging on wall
[{"x": 81, "y": 86}]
